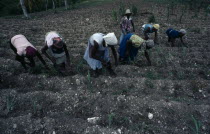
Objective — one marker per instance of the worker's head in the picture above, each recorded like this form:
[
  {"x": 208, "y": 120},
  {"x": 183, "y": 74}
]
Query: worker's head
[
  {"x": 182, "y": 32},
  {"x": 57, "y": 42},
  {"x": 156, "y": 27},
  {"x": 30, "y": 52},
  {"x": 110, "y": 40},
  {"x": 128, "y": 12}
]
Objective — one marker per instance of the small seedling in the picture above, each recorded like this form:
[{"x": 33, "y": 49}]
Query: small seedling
[
  {"x": 110, "y": 119},
  {"x": 89, "y": 85},
  {"x": 121, "y": 9},
  {"x": 34, "y": 107},
  {"x": 114, "y": 15},
  {"x": 10, "y": 103},
  {"x": 79, "y": 67},
  {"x": 197, "y": 126}
]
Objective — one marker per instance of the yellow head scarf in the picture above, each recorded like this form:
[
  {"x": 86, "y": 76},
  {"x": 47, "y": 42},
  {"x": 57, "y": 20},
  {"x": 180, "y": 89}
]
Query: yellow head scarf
[{"x": 137, "y": 41}]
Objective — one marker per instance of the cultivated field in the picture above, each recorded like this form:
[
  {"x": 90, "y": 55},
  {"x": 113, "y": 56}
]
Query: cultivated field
[{"x": 175, "y": 89}]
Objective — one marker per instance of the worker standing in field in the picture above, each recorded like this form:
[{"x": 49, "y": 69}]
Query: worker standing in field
[
  {"x": 97, "y": 52},
  {"x": 148, "y": 29},
  {"x": 173, "y": 34},
  {"x": 126, "y": 25},
  {"x": 24, "y": 49},
  {"x": 130, "y": 45},
  {"x": 56, "y": 50}
]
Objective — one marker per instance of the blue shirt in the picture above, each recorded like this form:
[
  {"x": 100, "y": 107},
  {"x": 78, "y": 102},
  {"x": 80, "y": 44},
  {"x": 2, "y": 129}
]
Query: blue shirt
[
  {"x": 172, "y": 33},
  {"x": 148, "y": 26},
  {"x": 122, "y": 48}
]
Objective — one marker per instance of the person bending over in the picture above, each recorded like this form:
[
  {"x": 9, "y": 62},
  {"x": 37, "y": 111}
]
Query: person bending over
[
  {"x": 97, "y": 52},
  {"x": 24, "y": 49},
  {"x": 130, "y": 45},
  {"x": 173, "y": 34},
  {"x": 56, "y": 50}
]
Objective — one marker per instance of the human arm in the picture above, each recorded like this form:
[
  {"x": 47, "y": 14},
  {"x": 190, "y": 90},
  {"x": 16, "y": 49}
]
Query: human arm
[
  {"x": 115, "y": 54},
  {"x": 147, "y": 57},
  {"x": 42, "y": 60},
  {"x": 133, "y": 25},
  {"x": 21, "y": 59},
  {"x": 43, "y": 50},
  {"x": 67, "y": 54},
  {"x": 93, "y": 53},
  {"x": 122, "y": 27},
  {"x": 156, "y": 37}
]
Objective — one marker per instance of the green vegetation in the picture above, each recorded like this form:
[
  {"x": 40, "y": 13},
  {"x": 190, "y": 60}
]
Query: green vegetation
[
  {"x": 197, "y": 126},
  {"x": 152, "y": 19},
  {"x": 110, "y": 119},
  {"x": 89, "y": 82},
  {"x": 121, "y": 9},
  {"x": 10, "y": 103},
  {"x": 114, "y": 15},
  {"x": 134, "y": 10}
]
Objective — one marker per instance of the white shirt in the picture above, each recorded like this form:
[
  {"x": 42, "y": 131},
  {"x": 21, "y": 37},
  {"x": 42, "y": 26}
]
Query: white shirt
[{"x": 21, "y": 43}]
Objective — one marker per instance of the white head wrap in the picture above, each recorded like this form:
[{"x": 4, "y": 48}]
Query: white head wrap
[
  {"x": 183, "y": 31},
  {"x": 110, "y": 39}
]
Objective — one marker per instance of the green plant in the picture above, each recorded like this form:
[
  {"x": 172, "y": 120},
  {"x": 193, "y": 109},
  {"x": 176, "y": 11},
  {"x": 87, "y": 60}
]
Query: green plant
[
  {"x": 152, "y": 19},
  {"x": 197, "y": 125},
  {"x": 134, "y": 10},
  {"x": 79, "y": 67},
  {"x": 114, "y": 15},
  {"x": 89, "y": 83},
  {"x": 34, "y": 107},
  {"x": 110, "y": 119},
  {"x": 207, "y": 11},
  {"x": 10, "y": 103},
  {"x": 121, "y": 9}
]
